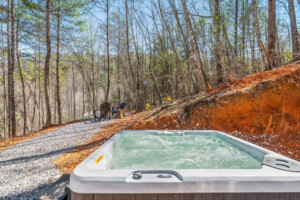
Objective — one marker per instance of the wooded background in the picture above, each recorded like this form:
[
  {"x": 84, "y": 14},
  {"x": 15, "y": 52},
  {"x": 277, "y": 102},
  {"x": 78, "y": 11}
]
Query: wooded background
[{"x": 62, "y": 58}]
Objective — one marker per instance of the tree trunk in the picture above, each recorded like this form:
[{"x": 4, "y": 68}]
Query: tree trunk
[
  {"x": 295, "y": 41},
  {"x": 11, "y": 84},
  {"x": 236, "y": 26},
  {"x": 203, "y": 78},
  {"x": 186, "y": 46},
  {"x": 91, "y": 85},
  {"x": 74, "y": 92},
  {"x": 139, "y": 74},
  {"x": 47, "y": 65},
  {"x": 118, "y": 61},
  {"x": 258, "y": 36},
  {"x": 129, "y": 59},
  {"x": 35, "y": 89},
  {"x": 83, "y": 100},
  {"x": 58, "y": 101},
  {"x": 218, "y": 45},
  {"x": 22, "y": 78},
  {"x": 41, "y": 114},
  {"x": 272, "y": 34},
  {"x": 244, "y": 6},
  {"x": 107, "y": 47},
  {"x": 8, "y": 69},
  {"x": 178, "y": 61},
  {"x": 4, "y": 83}
]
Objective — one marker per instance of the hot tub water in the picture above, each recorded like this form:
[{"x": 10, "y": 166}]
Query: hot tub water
[{"x": 175, "y": 151}]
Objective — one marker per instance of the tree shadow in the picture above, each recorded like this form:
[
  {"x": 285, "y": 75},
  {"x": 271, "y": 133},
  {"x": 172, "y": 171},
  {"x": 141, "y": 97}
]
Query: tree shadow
[
  {"x": 74, "y": 148},
  {"x": 53, "y": 190}
]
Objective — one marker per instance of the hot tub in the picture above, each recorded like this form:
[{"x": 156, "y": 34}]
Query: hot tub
[{"x": 184, "y": 165}]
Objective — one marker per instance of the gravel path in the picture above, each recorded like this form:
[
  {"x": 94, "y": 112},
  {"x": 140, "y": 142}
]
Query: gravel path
[{"x": 29, "y": 167}]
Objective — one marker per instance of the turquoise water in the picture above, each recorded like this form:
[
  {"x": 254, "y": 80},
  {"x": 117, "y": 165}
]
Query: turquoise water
[{"x": 142, "y": 151}]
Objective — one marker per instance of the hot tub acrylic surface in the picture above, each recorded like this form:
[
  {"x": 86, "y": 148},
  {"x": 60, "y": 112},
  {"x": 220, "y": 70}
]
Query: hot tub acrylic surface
[
  {"x": 182, "y": 151},
  {"x": 143, "y": 162}
]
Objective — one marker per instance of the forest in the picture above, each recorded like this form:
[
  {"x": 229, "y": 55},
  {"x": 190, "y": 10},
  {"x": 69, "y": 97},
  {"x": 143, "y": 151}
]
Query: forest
[{"x": 61, "y": 59}]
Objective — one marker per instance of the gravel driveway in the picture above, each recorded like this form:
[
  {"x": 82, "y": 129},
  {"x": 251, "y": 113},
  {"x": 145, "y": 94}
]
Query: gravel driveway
[{"x": 26, "y": 169}]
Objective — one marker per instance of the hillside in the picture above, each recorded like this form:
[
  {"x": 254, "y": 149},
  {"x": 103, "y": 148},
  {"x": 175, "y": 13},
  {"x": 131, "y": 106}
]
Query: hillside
[
  {"x": 266, "y": 102},
  {"x": 263, "y": 108}
]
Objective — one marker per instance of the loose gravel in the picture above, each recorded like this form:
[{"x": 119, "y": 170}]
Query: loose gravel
[{"x": 29, "y": 167}]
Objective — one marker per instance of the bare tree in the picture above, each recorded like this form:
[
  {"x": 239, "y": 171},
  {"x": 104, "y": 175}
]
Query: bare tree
[
  {"x": 203, "y": 78},
  {"x": 295, "y": 41},
  {"x": 47, "y": 65},
  {"x": 236, "y": 26},
  {"x": 174, "y": 50},
  {"x": 216, "y": 12},
  {"x": 272, "y": 34},
  {"x": 258, "y": 37},
  {"x": 4, "y": 83},
  {"x": 128, "y": 56},
  {"x": 107, "y": 48},
  {"x": 21, "y": 74},
  {"x": 11, "y": 83},
  {"x": 185, "y": 42},
  {"x": 8, "y": 68},
  {"x": 58, "y": 101}
]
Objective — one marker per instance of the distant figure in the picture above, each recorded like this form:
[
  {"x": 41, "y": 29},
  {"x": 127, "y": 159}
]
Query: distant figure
[
  {"x": 121, "y": 112},
  {"x": 122, "y": 106}
]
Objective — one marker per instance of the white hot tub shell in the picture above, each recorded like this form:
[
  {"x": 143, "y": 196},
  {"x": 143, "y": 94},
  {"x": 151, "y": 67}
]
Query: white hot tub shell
[{"x": 278, "y": 173}]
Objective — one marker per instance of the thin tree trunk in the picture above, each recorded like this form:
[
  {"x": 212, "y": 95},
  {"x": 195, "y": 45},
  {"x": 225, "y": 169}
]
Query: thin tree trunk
[
  {"x": 58, "y": 101},
  {"x": 107, "y": 47},
  {"x": 139, "y": 73},
  {"x": 186, "y": 46},
  {"x": 295, "y": 41},
  {"x": 47, "y": 64},
  {"x": 22, "y": 78},
  {"x": 272, "y": 34},
  {"x": 236, "y": 26},
  {"x": 244, "y": 6},
  {"x": 3, "y": 82},
  {"x": 178, "y": 61},
  {"x": 74, "y": 92},
  {"x": 83, "y": 100},
  {"x": 258, "y": 36},
  {"x": 11, "y": 83},
  {"x": 129, "y": 59},
  {"x": 118, "y": 61},
  {"x": 41, "y": 116},
  {"x": 92, "y": 83},
  {"x": 34, "y": 95},
  {"x": 8, "y": 69},
  {"x": 154, "y": 79},
  {"x": 217, "y": 33},
  {"x": 203, "y": 78}
]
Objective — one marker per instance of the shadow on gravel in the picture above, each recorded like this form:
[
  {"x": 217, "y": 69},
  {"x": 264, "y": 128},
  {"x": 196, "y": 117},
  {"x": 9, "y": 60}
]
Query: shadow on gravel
[
  {"x": 35, "y": 157},
  {"x": 53, "y": 190},
  {"x": 93, "y": 121},
  {"x": 57, "y": 152}
]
